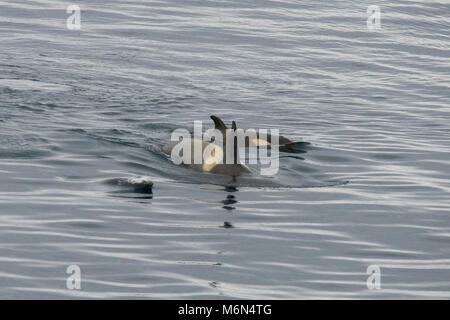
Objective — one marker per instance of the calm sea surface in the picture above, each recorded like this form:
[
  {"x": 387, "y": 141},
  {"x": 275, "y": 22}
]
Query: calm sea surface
[{"x": 79, "y": 108}]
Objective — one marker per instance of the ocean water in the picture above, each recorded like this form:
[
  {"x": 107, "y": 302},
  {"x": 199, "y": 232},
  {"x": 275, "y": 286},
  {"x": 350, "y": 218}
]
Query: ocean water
[{"x": 83, "y": 114}]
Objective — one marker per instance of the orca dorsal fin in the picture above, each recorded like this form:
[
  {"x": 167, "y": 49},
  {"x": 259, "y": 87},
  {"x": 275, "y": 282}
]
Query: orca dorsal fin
[{"x": 218, "y": 123}]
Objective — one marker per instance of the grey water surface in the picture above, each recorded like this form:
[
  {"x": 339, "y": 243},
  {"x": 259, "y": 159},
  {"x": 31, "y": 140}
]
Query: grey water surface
[{"x": 83, "y": 114}]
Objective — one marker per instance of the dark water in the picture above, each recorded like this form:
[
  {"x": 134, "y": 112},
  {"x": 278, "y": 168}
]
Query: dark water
[{"x": 78, "y": 108}]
